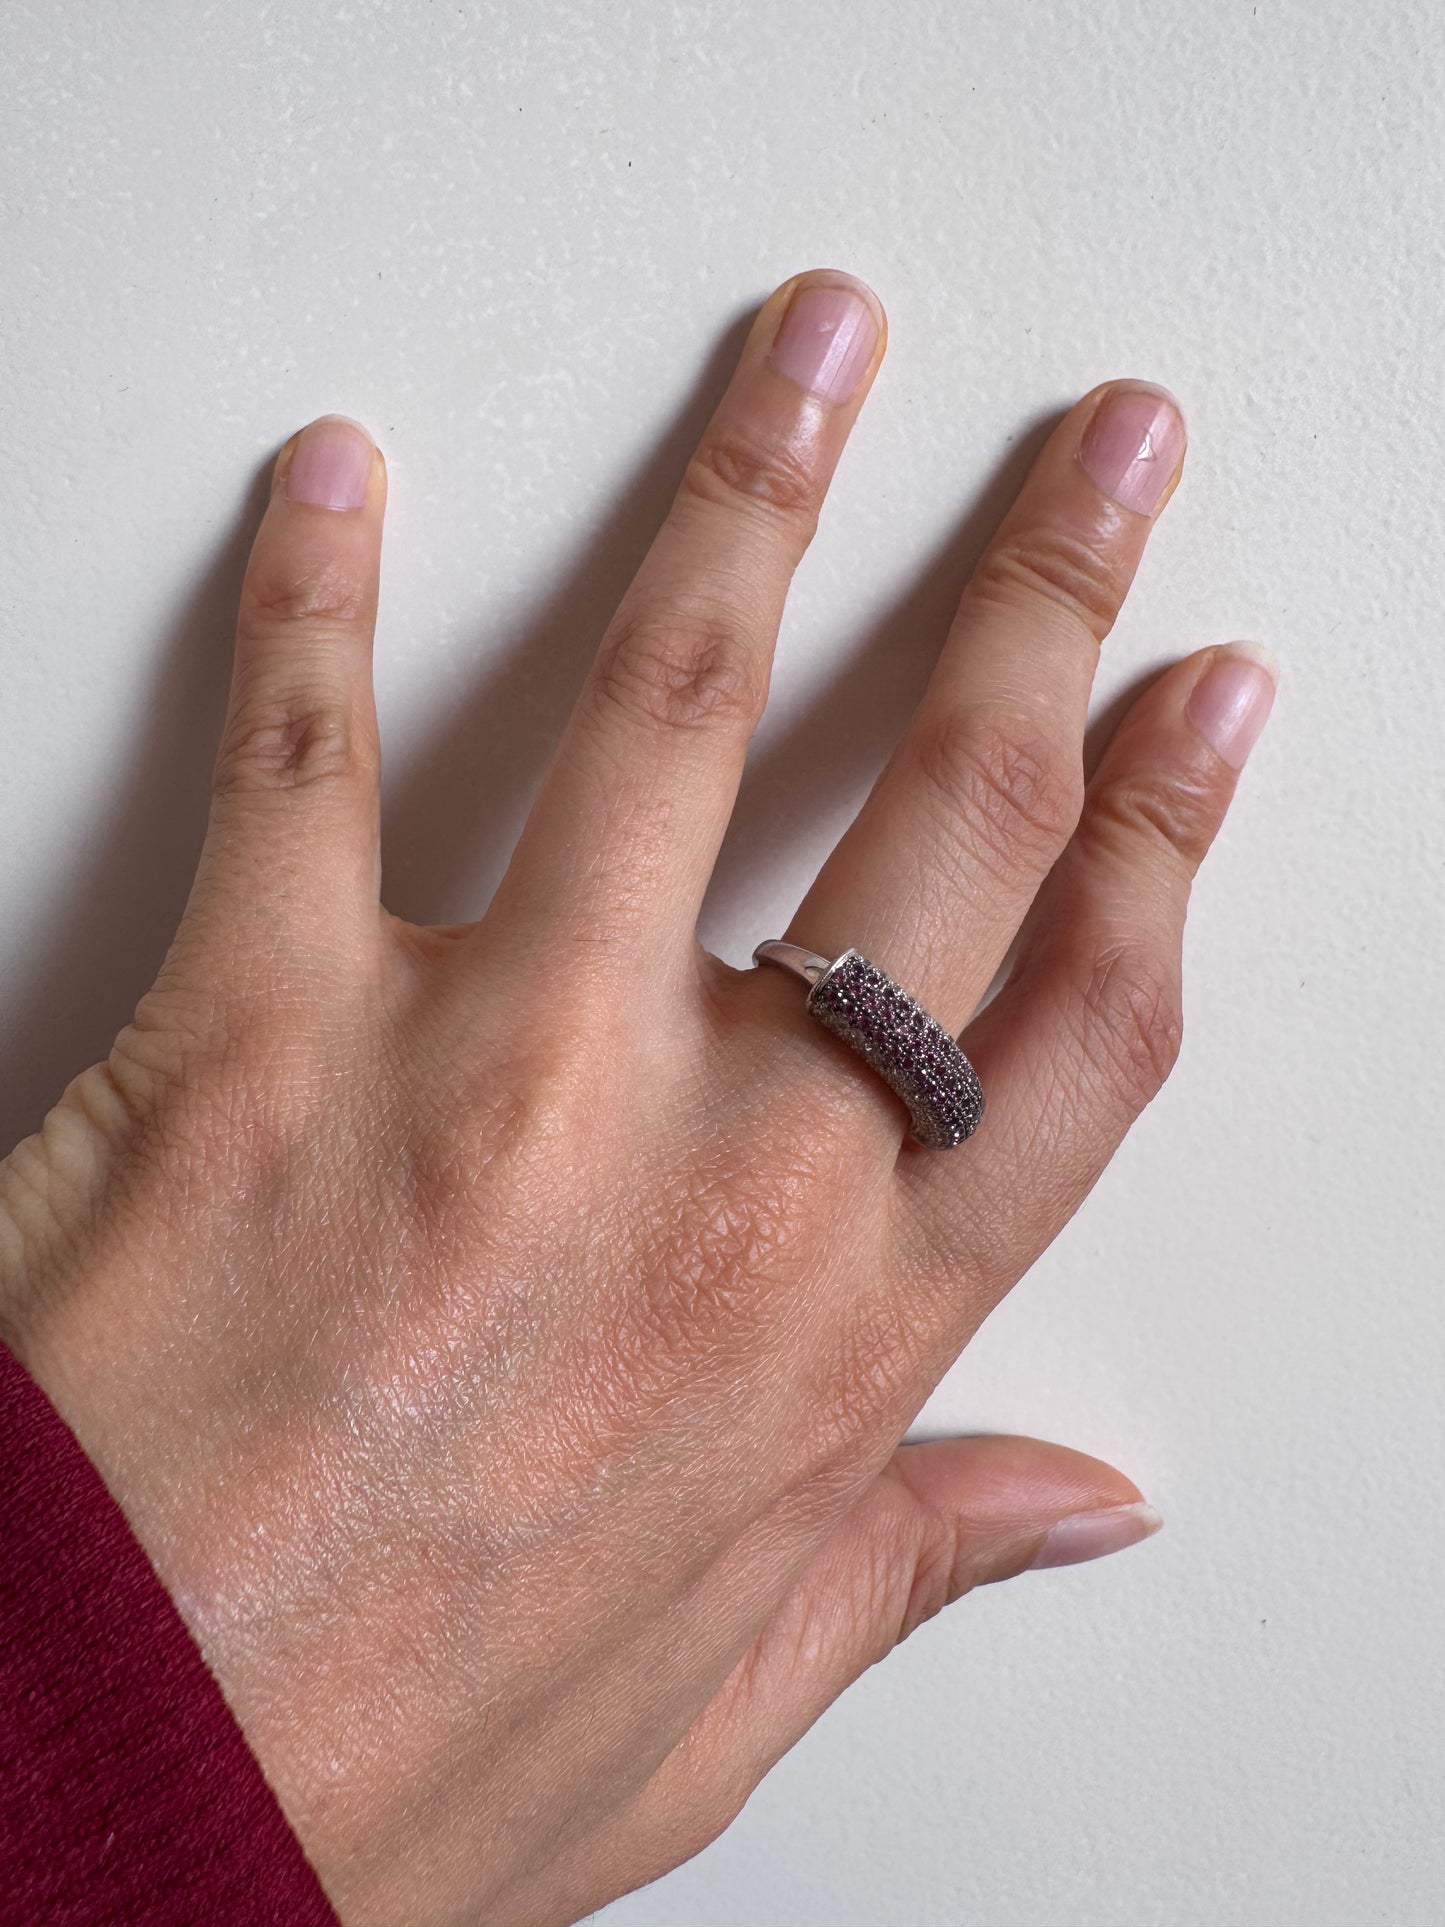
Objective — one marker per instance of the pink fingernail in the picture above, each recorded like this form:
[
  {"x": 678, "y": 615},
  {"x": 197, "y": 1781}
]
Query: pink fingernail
[
  {"x": 1132, "y": 447},
  {"x": 331, "y": 466},
  {"x": 1090, "y": 1535},
  {"x": 1230, "y": 703},
  {"x": 826, "y": 341}
]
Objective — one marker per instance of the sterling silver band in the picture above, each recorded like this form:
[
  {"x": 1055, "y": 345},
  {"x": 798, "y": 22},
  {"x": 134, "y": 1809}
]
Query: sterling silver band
[
  {"x": 916, "y": 1057},
  {"x": 806, "y": 964}
]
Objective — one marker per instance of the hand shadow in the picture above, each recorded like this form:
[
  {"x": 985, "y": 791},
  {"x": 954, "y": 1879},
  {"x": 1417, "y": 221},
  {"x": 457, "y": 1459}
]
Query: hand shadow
[
  {"x": 453, "y": 812},
  {"x": 127, "y": 887}
]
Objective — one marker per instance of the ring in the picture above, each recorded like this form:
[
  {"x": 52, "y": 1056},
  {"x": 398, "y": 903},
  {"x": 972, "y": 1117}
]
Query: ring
[{"x": 915, "y": 1056}]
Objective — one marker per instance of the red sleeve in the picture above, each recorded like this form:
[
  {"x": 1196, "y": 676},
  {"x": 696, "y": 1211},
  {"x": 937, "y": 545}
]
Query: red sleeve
[{"x": 128, "y": 1795}]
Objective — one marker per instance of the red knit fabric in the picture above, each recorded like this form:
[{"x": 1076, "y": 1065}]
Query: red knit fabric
[{"x": 128, "y": 1795}]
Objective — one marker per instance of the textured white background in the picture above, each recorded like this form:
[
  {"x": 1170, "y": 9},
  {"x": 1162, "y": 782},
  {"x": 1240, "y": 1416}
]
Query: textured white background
[{"x": 518, "y": 241}]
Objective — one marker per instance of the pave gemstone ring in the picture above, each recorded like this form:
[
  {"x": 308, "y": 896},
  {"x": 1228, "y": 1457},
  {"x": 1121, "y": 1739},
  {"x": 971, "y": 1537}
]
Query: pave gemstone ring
[{"x": 916, "y": 1057}]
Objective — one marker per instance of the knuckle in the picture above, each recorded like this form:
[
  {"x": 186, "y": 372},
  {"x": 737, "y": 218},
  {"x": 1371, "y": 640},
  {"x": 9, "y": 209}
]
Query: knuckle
[
  {"x": 880, "y": 1585},
  {"x": 1131, "y": 1025},
  {"x": 999, "y": 783},
  {"x": 937, "y": 1578},
  {"x": 211, "y": 1102},
  {"x": 291, "y": 741},
  {"x": 1172, "y": 812},
  {"x": 323, "y": 594},
  {"x": 1057, "y": 568},
  {"x": 737, "y": 472},
  {"x": 682, "y": 668}
]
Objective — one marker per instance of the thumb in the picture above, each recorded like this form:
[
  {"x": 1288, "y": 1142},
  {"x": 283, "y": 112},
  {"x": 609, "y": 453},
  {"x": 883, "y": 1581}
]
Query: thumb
[
  {"x": 942, "y": 1518},
  {"x": 988, "y": 1508}
]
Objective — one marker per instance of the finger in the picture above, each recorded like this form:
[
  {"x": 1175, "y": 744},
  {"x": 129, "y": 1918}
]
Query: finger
[
  {"x": 622, "y": 838},
  {"x": 1086, "y": 1030},
  {"x": 291, "y": 851},
  {"x": 943, "y": 1518},
  {"x": 984, "y": 789}
]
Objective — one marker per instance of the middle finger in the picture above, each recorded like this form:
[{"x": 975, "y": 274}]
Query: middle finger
[{"x": 621, "y": 841}]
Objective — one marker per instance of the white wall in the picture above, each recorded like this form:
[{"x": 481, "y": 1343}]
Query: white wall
[{"x": 510, "y": 237}]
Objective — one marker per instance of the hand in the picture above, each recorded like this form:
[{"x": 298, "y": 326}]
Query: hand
[{"x": 500, "y": 1337}]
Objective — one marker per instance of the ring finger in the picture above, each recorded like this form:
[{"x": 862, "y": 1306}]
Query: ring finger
[{"x": 984, "y": 790}]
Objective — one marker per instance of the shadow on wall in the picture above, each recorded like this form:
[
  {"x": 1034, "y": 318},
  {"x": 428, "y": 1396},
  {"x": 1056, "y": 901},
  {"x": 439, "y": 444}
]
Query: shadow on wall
[
  {"x": 454, "y": 811},
  {"x": 128, "y": 885}
]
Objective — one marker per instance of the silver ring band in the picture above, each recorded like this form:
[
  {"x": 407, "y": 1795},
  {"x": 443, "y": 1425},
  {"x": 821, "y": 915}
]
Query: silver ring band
[{"x": 915, "y": 1056}]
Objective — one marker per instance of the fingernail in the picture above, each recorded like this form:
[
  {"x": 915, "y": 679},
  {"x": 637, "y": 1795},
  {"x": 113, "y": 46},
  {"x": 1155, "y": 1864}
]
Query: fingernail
[
  {"x": 826, "y": 341},
  {"x": 1090, "y": 1535},
  {"x": 331, "y": 464},
  {"x": 1230, "y": 703},
  {"x": 1132, "y": 447}
]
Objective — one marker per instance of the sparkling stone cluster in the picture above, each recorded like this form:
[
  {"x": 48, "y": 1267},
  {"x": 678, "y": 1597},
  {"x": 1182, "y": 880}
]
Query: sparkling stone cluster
[{"x": 913, "y": 1055}]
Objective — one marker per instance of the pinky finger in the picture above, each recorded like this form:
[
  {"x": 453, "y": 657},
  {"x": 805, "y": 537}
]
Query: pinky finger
[
  {"x": 289, "y": 870},
  {"x": 1088, "y": 1026}
]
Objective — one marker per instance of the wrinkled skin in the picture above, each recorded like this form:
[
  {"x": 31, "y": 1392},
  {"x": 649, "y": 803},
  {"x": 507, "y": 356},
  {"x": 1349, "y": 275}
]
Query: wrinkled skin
[{"x": 501, "y": 1337}]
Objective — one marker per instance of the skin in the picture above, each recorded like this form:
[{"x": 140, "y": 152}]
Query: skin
[{"x": 501, "y": 1337}]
